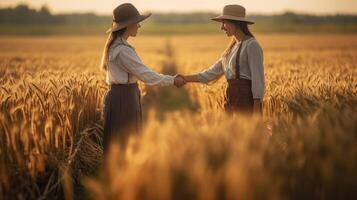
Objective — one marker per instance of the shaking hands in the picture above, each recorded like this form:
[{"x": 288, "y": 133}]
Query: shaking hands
[{"x": 179, "y": 81}]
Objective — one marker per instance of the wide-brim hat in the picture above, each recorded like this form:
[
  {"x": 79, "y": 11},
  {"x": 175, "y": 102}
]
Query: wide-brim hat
[
  {"x": 233, "y": 12},
  {"x": 125, "y": 15}
]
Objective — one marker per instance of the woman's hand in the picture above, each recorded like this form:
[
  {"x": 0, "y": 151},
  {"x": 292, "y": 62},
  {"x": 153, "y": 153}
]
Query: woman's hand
[
  {"x": 257, "y": 107},
  {"x": 179, "y": 81}
]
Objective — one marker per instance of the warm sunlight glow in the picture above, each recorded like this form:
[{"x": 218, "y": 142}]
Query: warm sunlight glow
[{"x": 253, "y": 6}]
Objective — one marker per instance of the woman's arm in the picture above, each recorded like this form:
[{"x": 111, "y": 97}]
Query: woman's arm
[
  {"x": 207, "y": 75},
  {"x": 191, "y": 78},
  {"x": 132, "y": 63},
  {"x": 255, "y": 61}
]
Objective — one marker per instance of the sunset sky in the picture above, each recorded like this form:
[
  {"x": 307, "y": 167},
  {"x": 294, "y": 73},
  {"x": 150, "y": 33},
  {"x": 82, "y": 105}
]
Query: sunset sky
[{"x": 253, "y": 6}]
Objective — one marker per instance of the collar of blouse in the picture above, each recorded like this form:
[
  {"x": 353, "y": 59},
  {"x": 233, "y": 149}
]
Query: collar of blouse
[{"x": 120, "y": 40}]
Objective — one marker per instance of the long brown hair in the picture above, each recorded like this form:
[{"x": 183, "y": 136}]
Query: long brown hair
[
  {"x": 111, "y": 38},
  {"x": 243, "y": 26}
]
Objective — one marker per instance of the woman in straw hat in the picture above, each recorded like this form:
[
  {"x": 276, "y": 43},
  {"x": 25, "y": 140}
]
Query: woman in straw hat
[
  {"x": 122, "y": 107},
  {"x": 241, "y": 63}
]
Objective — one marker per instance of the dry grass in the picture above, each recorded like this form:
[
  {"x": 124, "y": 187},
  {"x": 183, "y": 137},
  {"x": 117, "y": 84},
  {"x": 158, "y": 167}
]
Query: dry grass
[{"x": 303, "y": 148}]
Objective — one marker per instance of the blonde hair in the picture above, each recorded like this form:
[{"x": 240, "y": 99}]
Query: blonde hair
[
  {"x": 111, "y": 38},
  {"x": 229, "y": 48}
]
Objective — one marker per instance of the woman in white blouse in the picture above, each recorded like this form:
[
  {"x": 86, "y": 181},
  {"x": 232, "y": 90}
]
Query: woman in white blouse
[
  {"x": 241, "y": 63},
  {"x": 123, "y": 67}
]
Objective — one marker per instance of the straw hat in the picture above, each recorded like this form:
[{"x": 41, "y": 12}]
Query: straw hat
[
  {"x": 233, "y": 12},
  {"x": 125, "y": 15}
]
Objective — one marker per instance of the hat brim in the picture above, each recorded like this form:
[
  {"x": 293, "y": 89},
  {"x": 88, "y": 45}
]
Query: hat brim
[
  {"x": 230, "y": 17},
  {"x": 117, "y": 26}
]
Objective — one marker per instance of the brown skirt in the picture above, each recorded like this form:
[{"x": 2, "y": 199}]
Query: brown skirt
[
  {"x": 122, "y": 113},
  {"x": 239, "y": 97}
]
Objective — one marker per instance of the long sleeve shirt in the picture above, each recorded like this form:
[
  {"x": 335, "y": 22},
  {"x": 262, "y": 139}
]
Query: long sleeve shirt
[
  {"x": 125, "y": 66},
  {"x": 251, "y": 66}
]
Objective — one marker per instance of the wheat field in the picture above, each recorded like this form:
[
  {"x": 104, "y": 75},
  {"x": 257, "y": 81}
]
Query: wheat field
[{"x": 304, "y": 146}]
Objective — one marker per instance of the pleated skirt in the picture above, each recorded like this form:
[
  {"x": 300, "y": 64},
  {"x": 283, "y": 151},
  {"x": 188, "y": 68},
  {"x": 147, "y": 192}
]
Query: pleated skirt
[{"x": 122, "y": 114}]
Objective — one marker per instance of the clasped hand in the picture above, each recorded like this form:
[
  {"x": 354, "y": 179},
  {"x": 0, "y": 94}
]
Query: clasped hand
[{"x": 179, "y": 81}]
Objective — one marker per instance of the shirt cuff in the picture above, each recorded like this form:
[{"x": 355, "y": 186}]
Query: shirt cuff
[
  {"x": 258, "y": 96},
  {"x": 171, "y": 80}
]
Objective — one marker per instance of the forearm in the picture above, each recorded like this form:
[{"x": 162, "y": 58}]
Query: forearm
[
  {"x": 153, "y": 78},
  {"x": 191, "y": 78}
]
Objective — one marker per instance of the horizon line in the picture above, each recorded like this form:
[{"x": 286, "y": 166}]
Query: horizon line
[{"x": 299, "y": 12}]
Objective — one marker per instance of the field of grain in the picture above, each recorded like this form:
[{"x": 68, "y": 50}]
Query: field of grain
[{"x": 304, "y": 147}]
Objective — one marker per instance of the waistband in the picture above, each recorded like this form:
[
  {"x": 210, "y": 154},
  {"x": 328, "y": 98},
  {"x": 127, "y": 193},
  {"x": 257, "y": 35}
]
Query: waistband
[
  {"x": 241, "y": 80},
  {"x": 124, "y": 85}
]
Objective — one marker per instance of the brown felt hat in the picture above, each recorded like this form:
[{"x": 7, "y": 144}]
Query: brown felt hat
[
  {"x": 233, "y": 12},
  {"x": 125, "y": 15}
]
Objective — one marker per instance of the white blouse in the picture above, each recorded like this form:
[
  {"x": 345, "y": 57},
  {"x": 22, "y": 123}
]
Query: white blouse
[
  {"x": 125, "y": 66},
  {"x": 251, "y": 67}
]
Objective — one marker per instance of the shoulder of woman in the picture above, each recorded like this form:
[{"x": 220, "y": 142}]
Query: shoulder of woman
[
  {"x": 121, "y": 49},
  {"x": 125, "y": 48},
  {"x": 253, "y": 45}
]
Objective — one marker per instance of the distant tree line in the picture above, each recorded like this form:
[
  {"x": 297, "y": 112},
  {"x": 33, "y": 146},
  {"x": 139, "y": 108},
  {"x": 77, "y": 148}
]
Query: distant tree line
[
  {"x": 23, "y": 14},
  {"x": 291, "y": 17},
  {"x": 287, "y": 17}
]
